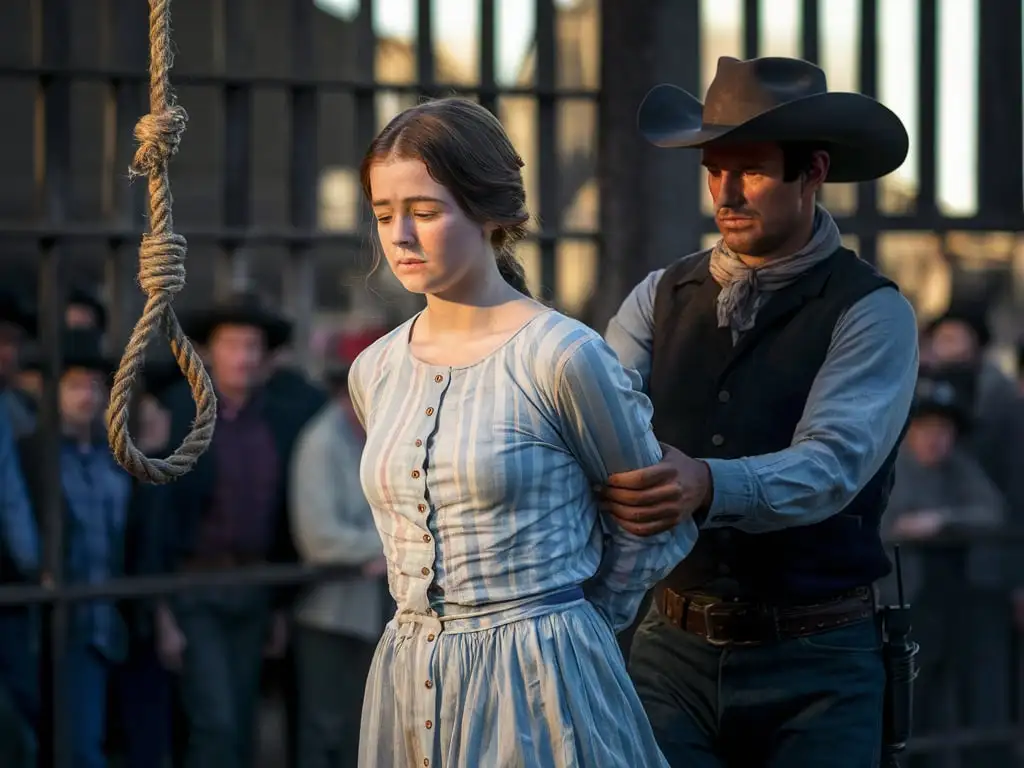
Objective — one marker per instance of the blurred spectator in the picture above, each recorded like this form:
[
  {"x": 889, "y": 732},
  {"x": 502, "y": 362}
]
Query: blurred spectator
[
  {"x": 228, "y": 513},
  {"x": 17, "y": 324},
  {"x": 338, "y": 623},
  {"x": 96, "y": 493},
  {"x": 953, "y": 589}
]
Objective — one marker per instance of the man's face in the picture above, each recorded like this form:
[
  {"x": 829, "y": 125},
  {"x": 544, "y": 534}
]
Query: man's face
[
  {"x": 81, "y": 316},
  {"x": 930, "y": 439},
  {"x": 237, "y": 356},
  {"x": 953, "y": 341},
  {"x": 82, "y": 395},
  {"x": 757, "y": 211}
]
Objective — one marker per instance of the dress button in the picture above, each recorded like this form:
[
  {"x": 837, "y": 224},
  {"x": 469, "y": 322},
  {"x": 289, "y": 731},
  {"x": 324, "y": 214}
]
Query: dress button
[
  {"x": 415, "y": 474},
  {"x": 425, "y": 571},
  {"x": 723, "y": 396},
  {"x": 430, "y": 639},
  {"x": 426, "y": 762},
  {"x": 418, "y": 442},
  {"x": 717, "y": 440},
  {"x": 430, "y": 411},
  {"x": 429, "y": 725},
  {"x": 421, "y": 507},
  {"x": 439, "y": 378},
  {"x": 429, "y": 684},
  {"x": 426, "y": 537}
]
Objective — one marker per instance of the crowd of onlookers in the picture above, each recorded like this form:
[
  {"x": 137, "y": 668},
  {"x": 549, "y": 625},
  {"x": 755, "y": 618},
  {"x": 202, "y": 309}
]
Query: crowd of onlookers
[{"x": 177, "y": 680}]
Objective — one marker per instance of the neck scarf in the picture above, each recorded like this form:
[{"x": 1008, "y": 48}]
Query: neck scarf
[{"x": 745, "y": 288}]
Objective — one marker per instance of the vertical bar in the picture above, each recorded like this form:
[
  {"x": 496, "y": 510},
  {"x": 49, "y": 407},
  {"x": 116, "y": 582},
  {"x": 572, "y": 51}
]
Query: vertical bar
[
  {"x": 55, "y": 138},
  {"x": 751, "y": 28},
  {"x": 232, "y": 267},
  {"x": 424, "y": 47},
  {"x": 810, "y": 31},
  {"x": 867, "y": 193},
  {"x": 999, "y": 119},
  {"x": 126, "y": 22},
  {"x": 365, "y": 94},
  {"x": 547, "y": 147},
  {"x": 488, "y": 87},
  {"x": 300, "y": 288},
  {"x": 927, "y": 87}
]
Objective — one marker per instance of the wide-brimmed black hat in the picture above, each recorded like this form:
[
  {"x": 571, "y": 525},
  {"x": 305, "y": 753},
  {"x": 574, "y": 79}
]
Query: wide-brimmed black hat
[
  {"x": 780, "y": 100},
  {"x": 85, "y": 297},
  {"x": 17, "y": 311},
  {"x": 242, "y": 308},
  {"x": 947, "y": 390},
  {"x": 80, "y": 348}
]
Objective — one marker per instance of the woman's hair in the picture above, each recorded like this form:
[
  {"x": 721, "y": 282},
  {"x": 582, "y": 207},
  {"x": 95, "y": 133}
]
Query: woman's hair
[{"x": 467, "y": 151}]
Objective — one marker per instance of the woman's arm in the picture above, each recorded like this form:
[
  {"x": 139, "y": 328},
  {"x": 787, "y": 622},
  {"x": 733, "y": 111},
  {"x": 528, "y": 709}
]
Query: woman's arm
[{"x": 606, "y": 422}]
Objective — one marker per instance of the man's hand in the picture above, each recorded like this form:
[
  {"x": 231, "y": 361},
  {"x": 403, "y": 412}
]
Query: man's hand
[{"x": 656, "y": 499}]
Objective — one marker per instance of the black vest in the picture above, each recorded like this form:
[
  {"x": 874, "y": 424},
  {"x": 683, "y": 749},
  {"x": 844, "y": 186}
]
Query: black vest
[{"x": 716, "y": 400}]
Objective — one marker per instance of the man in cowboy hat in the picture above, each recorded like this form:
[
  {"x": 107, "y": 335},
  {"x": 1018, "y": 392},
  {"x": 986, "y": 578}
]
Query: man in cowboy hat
[
  {"x": 230, "y": 512},
  {"x": 17, "y": 324},
  {"x": 781, "y": 368},
  {"x": 95, "y": 499}
]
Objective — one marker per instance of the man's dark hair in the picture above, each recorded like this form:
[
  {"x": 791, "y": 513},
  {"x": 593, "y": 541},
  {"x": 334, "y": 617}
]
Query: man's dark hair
[{"x": 797, "y": 157}]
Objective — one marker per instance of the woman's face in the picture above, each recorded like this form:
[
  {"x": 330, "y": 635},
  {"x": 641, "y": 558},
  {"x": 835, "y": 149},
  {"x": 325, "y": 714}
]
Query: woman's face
[{"x": 429, "y": 243}]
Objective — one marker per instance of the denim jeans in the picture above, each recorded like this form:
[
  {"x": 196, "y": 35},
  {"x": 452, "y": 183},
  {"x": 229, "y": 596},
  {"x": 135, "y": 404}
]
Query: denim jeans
[
  {"x": 332, "y": 671},
  {"x": 812, "y": 701},
  {"x": 225, "y": 631}
]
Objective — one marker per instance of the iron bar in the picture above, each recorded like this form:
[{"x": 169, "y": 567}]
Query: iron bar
[
  {"x": 425, "y": 65},
  {"x": 152, "y": 586},
  {"x": 487, "y": 53},
  {"x": 751, "y": 28},
  {"x": 810, "y": 31},
  {"x": 55, "y": 182},
  {"x": 286, "y": 82},
  {"x": 927, "y": 110},
  {"x": 547, "y": 142},
  {"x": 867, "y": 192}
]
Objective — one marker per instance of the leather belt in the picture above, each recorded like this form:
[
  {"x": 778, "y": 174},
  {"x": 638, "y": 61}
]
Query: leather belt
[{"x": 726, "y": 622}]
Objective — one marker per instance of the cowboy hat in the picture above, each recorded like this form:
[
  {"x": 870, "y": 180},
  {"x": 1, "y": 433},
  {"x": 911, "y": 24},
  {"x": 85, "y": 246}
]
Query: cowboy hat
[
  {"x": 242, "y": 308},
  {"x": 80, "y": 348},
  {"x": 17, "y": 312},
  {"x": 781, "y": 100}
]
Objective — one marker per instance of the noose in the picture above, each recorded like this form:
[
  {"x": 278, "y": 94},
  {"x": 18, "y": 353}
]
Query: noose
[{"x": 161, "y": 275}]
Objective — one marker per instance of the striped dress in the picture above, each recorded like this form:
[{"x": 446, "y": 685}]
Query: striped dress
[{"x": 509, "y": 584}]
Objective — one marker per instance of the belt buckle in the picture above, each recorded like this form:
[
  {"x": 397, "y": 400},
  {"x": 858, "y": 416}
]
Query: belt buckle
[{"x": 709, "y": 632}]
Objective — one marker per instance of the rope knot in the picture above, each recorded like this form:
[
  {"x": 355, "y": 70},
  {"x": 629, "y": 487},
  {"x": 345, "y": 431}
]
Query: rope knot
[
  {"x": 162, "y": 263},
  {"x": 158, "y": 135}
]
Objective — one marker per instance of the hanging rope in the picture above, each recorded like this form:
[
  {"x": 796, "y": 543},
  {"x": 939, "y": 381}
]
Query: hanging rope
[{"x": 161, "y": 275}]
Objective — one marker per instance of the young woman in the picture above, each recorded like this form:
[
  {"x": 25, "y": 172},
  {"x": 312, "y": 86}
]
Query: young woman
[{"x": 489, "y": 419}]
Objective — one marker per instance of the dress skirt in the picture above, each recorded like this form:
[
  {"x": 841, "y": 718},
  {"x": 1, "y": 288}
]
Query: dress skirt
[{"x": 540, "y": 683}]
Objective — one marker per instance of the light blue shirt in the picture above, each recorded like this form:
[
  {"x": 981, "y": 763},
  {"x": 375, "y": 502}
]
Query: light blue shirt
[{"x": 854, "y": 415}]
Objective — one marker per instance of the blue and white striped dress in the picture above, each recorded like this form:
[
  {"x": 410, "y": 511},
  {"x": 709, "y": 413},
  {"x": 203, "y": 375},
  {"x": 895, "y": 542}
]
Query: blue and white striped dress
[{"x": 508, "y": 582}]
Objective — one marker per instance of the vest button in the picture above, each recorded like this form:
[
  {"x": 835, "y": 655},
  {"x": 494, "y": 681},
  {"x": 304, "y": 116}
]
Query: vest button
[
  {"x": 717, "y": 440},
  {"x": 723, "y": 396}
]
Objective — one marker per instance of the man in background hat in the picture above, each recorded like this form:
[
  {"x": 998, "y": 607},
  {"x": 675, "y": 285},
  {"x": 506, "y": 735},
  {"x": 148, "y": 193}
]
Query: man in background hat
[
  {"x": 781, "y": 368},
  {"x": 339, "y": 623},
  {"x": 230, "y": 512},
  {"x": 96, "y": 494}
]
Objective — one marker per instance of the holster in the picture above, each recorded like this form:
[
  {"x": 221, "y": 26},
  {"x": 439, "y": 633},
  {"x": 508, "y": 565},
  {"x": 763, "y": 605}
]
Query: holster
[{"x": 900, "y": 656}]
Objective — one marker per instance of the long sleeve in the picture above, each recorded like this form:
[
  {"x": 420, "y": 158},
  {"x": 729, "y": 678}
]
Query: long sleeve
[
  {"x": 322, "y": 533},
  {"x": 17, "y": 523},
  {"x": 606, "y": 421},
  {"x": 855, "y": 413},
  {"x": 630, "y": 332}
]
